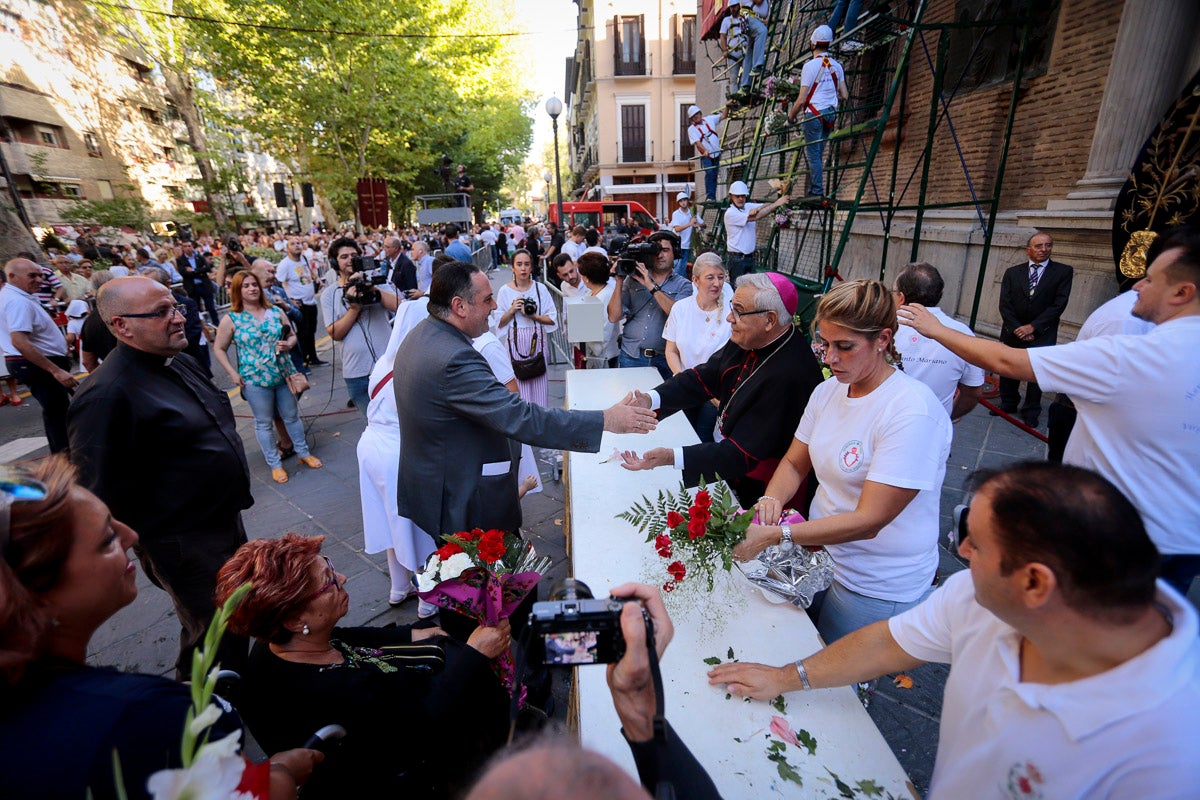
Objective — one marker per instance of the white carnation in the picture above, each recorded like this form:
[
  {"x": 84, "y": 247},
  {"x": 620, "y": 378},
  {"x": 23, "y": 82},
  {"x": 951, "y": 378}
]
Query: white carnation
[
  {"x": 454, "y": 566},
  {"x": 425, "y": 581}
]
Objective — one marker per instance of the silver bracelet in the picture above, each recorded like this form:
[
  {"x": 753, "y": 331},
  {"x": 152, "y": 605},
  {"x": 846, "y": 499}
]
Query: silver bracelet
[
  {"x": 803, "y": 675},
  {"x": 765, "y": 497},
  {"x": 785, "y": 537}
]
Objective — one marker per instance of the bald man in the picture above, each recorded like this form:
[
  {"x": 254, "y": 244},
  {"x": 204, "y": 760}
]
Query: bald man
[
  {"x": 150, "y": 410},
  {"x": 34, "y": 349}
]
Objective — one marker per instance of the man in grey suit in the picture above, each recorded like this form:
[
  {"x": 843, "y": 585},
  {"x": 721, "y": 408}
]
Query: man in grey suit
[{"x": 461, "y": 429}]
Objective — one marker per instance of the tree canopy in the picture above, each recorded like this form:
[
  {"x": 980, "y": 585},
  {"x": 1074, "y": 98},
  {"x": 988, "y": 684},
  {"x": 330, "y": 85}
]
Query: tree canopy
[{"x": 433, "y": 80}]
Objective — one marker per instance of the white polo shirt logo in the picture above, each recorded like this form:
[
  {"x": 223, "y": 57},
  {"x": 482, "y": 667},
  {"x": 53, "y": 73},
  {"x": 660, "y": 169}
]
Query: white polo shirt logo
[
  {"x": 1024, "y": 782},
  {"x": 851, "y": 456}
]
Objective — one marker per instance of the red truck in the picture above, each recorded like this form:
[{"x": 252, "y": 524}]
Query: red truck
[{"x": 603, "y": 214}]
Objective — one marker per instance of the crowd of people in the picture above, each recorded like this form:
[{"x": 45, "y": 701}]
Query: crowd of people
[{"x": 1063, "y": 593}]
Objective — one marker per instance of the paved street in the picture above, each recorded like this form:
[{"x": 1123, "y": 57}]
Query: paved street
[{"x": 144, "y": 636}]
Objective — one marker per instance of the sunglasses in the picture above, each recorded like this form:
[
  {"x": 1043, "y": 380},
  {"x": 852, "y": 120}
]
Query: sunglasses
[{"x": 16, "y": 486}]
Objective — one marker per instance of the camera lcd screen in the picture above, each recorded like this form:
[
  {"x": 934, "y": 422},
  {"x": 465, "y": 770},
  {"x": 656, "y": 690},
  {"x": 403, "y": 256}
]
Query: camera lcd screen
[{"x": 571, "y": 647}]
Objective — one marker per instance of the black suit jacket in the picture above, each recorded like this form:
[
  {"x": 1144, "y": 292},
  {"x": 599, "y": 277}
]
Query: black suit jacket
[
  {"x": 404, "y": 274},
  {"x": 1042, "y": 309},
  {"x": 195, "y": 282}
]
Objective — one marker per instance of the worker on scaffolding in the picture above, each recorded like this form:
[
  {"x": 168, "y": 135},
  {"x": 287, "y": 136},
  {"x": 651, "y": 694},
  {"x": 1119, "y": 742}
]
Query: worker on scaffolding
[
  {"x": 702, "y": 133},
  {"x": 822, "y": 86}
]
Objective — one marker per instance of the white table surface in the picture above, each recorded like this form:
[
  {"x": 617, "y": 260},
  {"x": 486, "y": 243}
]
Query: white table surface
[{"x": 606, "y": 552}]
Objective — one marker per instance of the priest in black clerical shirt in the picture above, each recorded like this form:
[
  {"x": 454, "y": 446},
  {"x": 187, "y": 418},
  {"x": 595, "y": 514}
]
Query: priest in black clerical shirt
[
  {"x": 762, "y": 379},
  {"x": 155, "y": 439}
]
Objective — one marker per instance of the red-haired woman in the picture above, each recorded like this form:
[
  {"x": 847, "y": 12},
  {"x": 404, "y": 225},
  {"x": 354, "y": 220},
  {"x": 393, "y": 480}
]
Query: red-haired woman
[
  {"x": 64, "y": 570},
  {"x": 403, "y": 694},
  {"x": 262, "y": 335}
]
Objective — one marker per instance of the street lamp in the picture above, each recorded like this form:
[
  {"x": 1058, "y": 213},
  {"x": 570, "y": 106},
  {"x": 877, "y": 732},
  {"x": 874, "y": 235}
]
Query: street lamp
[{"x": 554, "y": 107}]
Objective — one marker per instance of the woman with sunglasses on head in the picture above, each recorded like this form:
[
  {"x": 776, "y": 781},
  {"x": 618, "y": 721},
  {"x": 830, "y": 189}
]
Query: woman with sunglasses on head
[
  {"x": 401, "y": 693},
  {"x": 263, "y": 337},
  {"x": 878, "y": 441},
  {"x": 64, "y": 571}
]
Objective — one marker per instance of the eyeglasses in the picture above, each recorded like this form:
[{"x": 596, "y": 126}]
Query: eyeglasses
[
  {"x": 16, "y": 486},
  {"x": 162, "y": 313},
  {"x": 330, "y": 583},
  {"x": 737, "y": 315}
]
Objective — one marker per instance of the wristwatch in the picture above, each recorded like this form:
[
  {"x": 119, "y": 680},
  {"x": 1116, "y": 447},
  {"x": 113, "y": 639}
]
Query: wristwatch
[
  {"x": 785, "y": 539},
  {"x": 656, "y": 288}
]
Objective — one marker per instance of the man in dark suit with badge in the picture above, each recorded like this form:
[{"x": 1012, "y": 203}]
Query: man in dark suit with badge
[{"x": 1033, "y": 297}]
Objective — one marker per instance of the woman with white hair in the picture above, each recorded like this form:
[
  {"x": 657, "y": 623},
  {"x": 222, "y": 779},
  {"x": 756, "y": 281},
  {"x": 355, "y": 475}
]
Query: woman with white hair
[{"x": 697, "y": 327}]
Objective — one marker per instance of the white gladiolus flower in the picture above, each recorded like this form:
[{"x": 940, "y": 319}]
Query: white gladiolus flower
[
  {"x": 202, "y": 722},
  {"x": 216, "y": 772}
]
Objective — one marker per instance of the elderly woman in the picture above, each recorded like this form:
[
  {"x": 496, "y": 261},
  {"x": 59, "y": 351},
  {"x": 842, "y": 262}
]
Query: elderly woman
[
  {"x": 878, "y": 441},
  {"x": 403, "y": 694},
  {"x": 65, "y": 569},
  {"x": 697, "y": 327}
]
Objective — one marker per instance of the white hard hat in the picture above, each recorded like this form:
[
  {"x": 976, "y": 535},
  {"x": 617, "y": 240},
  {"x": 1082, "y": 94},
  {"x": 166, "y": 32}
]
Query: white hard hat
[
  {"x": 739, "y": 187},
  {"x": 822, "y": 35},
  {"x": 693, "y": 111},
  {"x": 682, "y": 196},
  {"x": 734, "y": 3}
]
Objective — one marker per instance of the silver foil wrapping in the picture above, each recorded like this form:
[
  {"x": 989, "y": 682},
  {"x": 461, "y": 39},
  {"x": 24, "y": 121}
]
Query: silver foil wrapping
[{"x": 795, "y": 574}]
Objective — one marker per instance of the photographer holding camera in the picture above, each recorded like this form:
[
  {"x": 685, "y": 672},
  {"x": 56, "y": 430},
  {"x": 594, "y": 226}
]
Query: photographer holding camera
[
  {"x": 665, "y": 765},
  {"x": 355, "y": 313},
  {"x": 647, "y": 288}
]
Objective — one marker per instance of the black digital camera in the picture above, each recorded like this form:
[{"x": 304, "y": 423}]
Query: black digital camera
[
  {"x": 644, "y": 253},
  {"x": 528, "y": 306},
  {"x": 368, "y": 276},
  {"x": 575, "y": 628}
]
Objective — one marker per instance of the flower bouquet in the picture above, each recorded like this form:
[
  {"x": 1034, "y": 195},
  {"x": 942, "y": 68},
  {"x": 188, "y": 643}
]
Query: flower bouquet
[
  {"x": 483, "y": 575},
  {"x": 694, "y": 535},
  {"x": 782, "y": 89}
]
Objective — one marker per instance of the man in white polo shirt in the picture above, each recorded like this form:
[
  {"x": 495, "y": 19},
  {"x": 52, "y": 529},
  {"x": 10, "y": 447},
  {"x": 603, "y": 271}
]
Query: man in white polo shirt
[
  {"x": 741, "y": 229},
  {"x": 955, "y": 382},
  {"x": 34, "y": 349},
  {"x": 296, "y": 275},
  {"x": 1073, "y": 672},
  {"x": 1136, "y": 398}
]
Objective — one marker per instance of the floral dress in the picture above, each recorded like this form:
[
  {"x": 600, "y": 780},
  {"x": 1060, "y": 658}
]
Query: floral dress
[{"x": 258, "y": 363}]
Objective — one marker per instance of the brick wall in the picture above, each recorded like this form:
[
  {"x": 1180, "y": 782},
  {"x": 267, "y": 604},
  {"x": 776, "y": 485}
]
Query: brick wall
[{"x": 1052, "y": 132}]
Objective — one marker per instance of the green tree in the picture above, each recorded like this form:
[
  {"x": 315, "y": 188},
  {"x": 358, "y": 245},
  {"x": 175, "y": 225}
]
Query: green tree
[
  {"x": 130, "y": 210},
  {"x": 344, "y": 106}
]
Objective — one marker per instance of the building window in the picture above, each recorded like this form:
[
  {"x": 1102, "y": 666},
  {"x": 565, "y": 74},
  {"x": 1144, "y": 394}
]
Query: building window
[
  {"x": 686, "y": 148},
  {"x": 72, "y": 190},
  {"x": 105, "y": 187},
  {"x": 633, "y": 133},
  {"x": 151, "y": 116},
  {"x": 47, "y": 136},
  {"x": 630, "y": 54},
  {"x": 987, "y": 56},
  {"x": 92, "y": 144},
  {"x": 169, "y": 153},
  {"x": 685, "y": 44}
]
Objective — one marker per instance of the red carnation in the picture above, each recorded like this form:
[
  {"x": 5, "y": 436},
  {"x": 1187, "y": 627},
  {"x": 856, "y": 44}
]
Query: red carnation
[
  {"x": 669, "y": 586},
  {"x": 703, "y": 499},
  {"x": 662, "y": 543},
  {"x": 677, "y": 570},
  {"x": 674, "y": 518},
  {"x": 491, "y": 546},
  {"x": 702, "y": 514},
  {"x": 696, "y": 528},
  {"x": 447, "y": 550},
  {"x": 473, "y": 535}
]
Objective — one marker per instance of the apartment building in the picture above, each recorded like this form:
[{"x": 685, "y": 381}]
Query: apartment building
[{"x": 629, "y": 84}]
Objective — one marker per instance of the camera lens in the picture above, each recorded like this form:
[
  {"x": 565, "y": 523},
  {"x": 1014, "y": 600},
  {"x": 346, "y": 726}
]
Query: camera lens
[{"x": 570, "y": 589}]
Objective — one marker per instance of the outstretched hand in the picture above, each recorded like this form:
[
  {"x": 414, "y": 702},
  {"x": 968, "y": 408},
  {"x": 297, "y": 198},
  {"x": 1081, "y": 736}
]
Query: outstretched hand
[
  {"x": 658, "y": 457},
  {"x": 628, "y": 417}
]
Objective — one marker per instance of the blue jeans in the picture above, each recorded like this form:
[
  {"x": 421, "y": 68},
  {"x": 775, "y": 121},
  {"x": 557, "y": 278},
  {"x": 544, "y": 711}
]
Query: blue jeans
[
  {"x": 710, "y": 167},
  {"x": 264, "y": 402},
  {"x": 360, "y": 393},
  {"x": 704, "y": 419},
  {"x": 681, "y": 263},
  {"x": 838, "y": 611},
  {"x": 756, "y": 30},
  {"x": 659, "y": 361},
  {"x": 739, "y": 264},
  {"x": 814, "y": 149},
  {"x": 847, "y": 10}
]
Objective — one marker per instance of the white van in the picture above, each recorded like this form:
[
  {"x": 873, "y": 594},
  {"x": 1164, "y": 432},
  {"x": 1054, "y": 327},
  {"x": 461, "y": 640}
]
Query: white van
[{"x": 510, "y": 215}]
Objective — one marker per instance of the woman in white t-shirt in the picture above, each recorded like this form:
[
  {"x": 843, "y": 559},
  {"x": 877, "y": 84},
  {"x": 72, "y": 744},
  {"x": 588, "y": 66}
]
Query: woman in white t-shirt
[
  {"x": 878, "y": 441},
  {"x": 598, "y": 282},
  {"x": 518, "y": 329},
  {"x": 697, "y": 327}
]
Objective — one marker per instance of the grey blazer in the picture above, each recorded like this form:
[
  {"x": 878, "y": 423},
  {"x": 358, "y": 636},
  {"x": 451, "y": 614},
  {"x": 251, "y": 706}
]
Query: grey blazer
[{"x": 457, "y": 422}]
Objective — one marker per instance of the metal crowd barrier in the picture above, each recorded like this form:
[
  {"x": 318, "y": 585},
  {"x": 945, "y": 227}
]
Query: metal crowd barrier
[{"x": 559, "y": 350}]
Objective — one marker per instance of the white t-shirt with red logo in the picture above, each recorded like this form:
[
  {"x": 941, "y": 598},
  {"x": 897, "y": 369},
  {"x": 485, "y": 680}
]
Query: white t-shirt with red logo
[
  {"x": 1129, "y": 732},
  {"x": 897, "y": 435}
]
